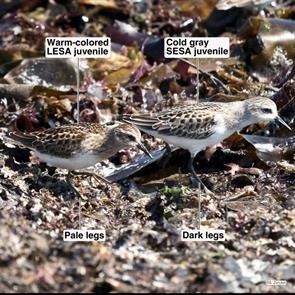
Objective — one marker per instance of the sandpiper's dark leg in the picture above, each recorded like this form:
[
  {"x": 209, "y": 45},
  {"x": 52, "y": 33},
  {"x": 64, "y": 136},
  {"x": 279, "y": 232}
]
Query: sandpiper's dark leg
[
  {"x": 198, "y": 181},
  {"x": 95, "y": 175},
  {"x": 166, "y": 156},
  {"x": 199, "y": 211},
  {"x": 69, "y": 181},
  {"x": 226, "y": 213},
  {"x": 194, "y": 174}
]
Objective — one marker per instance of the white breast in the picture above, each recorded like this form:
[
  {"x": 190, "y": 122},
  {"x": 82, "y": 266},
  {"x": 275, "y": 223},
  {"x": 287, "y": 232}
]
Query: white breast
[
  {"x": 195, "y": 145},
  {"x": 76, "y": 162}
]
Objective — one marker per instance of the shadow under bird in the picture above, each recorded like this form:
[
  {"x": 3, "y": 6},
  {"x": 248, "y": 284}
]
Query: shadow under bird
[
  {"x": 75, "y": 147},
  {"x": 194, "y": 127}
]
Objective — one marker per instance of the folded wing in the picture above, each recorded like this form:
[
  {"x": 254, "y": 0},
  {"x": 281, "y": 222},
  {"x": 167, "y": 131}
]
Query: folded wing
[{"x": 191, "y": 121}]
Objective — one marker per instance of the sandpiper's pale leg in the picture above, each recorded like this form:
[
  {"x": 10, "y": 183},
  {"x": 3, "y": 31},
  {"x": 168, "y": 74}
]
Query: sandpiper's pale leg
[
  {"x": 93, "y": 174},
  {"x": 69, "y": 178}
]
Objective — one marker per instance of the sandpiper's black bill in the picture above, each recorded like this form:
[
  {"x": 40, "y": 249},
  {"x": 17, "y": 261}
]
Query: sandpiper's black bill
[
  {"x": 278, "y": 118},
  {"x": 144, "y": 149}
]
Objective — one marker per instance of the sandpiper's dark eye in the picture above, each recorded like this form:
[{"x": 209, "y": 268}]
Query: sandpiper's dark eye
[
  {"x": 131, "y": 137},
  {"x": 266, "y": 110}
]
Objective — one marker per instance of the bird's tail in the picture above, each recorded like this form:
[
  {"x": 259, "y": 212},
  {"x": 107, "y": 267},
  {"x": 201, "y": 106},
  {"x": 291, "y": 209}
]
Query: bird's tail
[{"x": 21, "y": 138}]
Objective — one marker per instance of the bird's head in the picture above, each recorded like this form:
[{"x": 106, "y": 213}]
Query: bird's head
[
  {"x": 127, "y": 136},
  {"x": 263, "y": 109}
]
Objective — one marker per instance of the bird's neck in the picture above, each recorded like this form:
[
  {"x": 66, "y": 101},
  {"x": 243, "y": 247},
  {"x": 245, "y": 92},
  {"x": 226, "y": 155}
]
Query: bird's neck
[
  {"x": 243, "y": 116},
  {"x": 237, "y": 117},
  {"x": 109, "y": 147}
]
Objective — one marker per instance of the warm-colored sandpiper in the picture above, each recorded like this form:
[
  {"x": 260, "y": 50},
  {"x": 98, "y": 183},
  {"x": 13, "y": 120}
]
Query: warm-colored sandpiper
[
  {"x": 75, "y": 147},
  {"x": 195, "y": 126}
]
